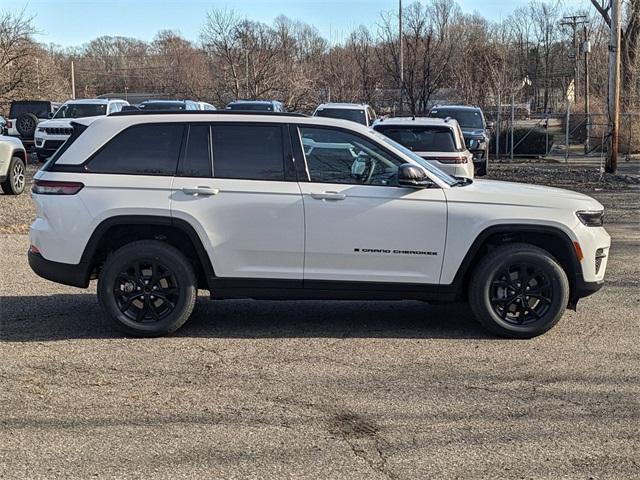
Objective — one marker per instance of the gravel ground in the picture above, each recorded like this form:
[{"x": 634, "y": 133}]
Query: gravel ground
[{"x": 354, "y": 390}]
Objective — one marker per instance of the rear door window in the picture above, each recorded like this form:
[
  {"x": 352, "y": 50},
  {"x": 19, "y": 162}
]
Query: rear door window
[
  {"x": 250, "y": 152},
  {"x": 141, "y": 150}
]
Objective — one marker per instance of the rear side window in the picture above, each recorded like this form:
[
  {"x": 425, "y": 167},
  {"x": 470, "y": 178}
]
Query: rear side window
[
  {"x": 250, "y": 152},
  {"x": 142, "y": 150},
  {"x": 39, "y": 109},
  {"x": 196, "y": 161}
]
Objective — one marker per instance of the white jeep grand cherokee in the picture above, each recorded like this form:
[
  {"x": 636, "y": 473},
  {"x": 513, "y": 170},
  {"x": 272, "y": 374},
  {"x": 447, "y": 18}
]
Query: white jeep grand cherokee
[{"x": 281, "y": 206}]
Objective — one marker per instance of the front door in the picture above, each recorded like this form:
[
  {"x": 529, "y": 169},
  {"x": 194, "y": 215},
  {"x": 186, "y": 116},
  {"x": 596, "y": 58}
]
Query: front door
[{"x": 359, "y": 225}]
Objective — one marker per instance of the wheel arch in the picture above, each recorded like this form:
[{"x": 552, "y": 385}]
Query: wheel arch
[
  {"x": 21, "y": 154},
  {"x": 552, "y": 239},
  {"x": 117, "y": 231}
]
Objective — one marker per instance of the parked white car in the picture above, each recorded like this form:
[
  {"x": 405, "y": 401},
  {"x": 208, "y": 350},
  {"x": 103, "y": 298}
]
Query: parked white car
[
  {"x": 51, "y": 134},
  {"x": 205, "y": 106},
  {"x": 356, "y": 112},
  {"x": 282, "y": 206},
  {"x": 438, "y": 141},
  {"x": 13, "y": 160}
]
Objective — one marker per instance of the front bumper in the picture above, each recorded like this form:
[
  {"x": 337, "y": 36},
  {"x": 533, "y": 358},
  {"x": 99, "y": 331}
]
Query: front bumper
[{"x": 64, "y": 273}]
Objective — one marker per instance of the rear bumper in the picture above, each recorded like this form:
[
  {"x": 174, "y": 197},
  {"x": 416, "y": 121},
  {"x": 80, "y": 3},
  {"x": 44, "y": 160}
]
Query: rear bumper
[{"x": 64, "y": 273}]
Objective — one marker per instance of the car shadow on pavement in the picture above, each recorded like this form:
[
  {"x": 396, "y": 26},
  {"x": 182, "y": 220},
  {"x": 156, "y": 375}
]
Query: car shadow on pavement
[{"x": 78, "y": 316}]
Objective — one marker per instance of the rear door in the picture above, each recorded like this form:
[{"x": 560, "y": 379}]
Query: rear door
[{"x": 236, "y": 186}]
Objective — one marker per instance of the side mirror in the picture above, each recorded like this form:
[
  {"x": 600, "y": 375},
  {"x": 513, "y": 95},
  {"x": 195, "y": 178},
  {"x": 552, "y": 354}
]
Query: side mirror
[
  {"x": 50, "y": 114},
  {"x": 413, "y": 176},
  {"x": 490, "y": 126}
]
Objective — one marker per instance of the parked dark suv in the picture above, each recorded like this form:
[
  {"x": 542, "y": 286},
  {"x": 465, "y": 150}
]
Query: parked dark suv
[
  {"x": 475, "y": 129},
  {"x": 24, "y": 116}
]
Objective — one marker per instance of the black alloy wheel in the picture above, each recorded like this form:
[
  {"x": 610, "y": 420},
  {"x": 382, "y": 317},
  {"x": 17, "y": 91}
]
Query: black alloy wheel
[
  {"x": 148, "y": 288},
  {"x": 146, "y": 291},
  {"x": 521, "y": 293},
  {"x": 518, "y": 290}
]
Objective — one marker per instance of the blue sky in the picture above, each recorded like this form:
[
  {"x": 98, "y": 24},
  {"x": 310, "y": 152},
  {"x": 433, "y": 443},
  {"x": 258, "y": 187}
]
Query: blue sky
[{"x": 74, "y": 22}]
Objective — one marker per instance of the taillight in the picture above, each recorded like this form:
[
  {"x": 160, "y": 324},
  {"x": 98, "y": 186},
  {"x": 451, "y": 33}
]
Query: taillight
[
  {"x": 52, "y": 187},
  {"x": 9, "y": 124},
  {"x": 458, "y": 159}
]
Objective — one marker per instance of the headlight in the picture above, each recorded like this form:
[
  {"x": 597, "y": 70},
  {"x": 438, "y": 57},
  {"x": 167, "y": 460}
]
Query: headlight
[
  {"x": 40, "y": 129},
  {"x": 473, "y": 143},
  {"x": 591, "y": 218}
]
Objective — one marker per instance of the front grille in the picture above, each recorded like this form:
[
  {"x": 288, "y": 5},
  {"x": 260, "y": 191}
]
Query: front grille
[
  {"x": 599, "y": 257},
  {"x": 52, "y": 144},
  {"x": 58, "y": 130}
]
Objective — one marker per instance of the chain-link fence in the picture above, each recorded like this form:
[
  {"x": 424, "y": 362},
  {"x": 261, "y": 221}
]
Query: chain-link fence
[{"x": 520, "y": 133}]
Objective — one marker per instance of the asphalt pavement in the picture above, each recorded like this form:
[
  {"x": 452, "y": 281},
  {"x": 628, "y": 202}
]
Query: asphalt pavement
[{"x": 353, "y": 390}]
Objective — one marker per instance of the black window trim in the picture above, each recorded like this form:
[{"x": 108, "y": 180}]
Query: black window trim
[
  {"x": 184, "y": 150},
  {"x": 340, "y": 129}
]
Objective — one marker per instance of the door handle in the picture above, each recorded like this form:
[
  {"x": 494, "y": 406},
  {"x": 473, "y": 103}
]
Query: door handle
[
  {"x": 203, "y": 190},
  {"x": 328, "y": 196}
]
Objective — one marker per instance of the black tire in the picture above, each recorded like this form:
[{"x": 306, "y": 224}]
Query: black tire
[
  {"x": 481, "y": 171},
  {"x": 518, "y": 291},
  {"x": 26, "y": 125},
  {"x": 124, "y": 292},
  {"x": 16, "y": 177}
]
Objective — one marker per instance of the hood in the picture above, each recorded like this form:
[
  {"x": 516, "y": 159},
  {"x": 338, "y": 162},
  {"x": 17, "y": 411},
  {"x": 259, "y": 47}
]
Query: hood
[
  {"x": 66, "y": 122},
  {"x": 473, "y": 132},
  {"x": 522, "y": 194}
]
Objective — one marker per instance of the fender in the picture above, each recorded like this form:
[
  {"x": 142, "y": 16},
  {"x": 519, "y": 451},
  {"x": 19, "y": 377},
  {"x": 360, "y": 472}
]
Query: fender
[
  {"x": 185, "y": 227},
  {"x": 574, "y": 274}
]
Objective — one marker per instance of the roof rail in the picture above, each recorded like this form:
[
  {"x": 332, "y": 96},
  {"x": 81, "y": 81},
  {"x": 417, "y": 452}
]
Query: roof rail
[{"x": 205, "y": 112}]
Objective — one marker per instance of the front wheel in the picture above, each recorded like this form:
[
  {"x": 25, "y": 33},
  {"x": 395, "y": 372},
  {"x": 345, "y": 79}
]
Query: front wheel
[
  {"x": 16, "y": 177},
  {"x": 148, "y": 288},
  {"x": 518, "y": 291}
]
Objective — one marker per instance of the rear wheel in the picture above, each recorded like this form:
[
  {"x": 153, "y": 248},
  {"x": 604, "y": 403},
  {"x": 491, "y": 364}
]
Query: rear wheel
[
  {"x": 518, "y": 291},
  {"x": 16, "y": 177},
  {"x": 148, "y": 288}
]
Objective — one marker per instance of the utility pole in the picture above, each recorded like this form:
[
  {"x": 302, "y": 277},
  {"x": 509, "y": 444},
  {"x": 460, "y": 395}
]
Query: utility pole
[
  {"x": 573, "y": 21},
  {"x": 586, "y": 49},
  {"x": 614, "y": 87},
  {"x": 73, "y": 82},
  {"x": 401, "y": 60}
]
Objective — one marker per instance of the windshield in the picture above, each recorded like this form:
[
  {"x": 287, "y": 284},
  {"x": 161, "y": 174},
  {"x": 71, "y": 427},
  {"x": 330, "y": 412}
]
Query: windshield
[
  {"x": 80, "y": 110},
  {"x": 162, "y": 106},
  {"x": 355, "y": 115},
  {"x": 420, "y": 138},
  {"x": 39, "y": 109},
  {"x": 250, "y": 106},
  {"x": 449, "y": 180},
  {"x": 466, "y": 118}
]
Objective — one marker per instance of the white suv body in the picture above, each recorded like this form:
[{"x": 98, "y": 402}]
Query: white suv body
[
  {"x": 356, "y": 112},
  {"x": 51, "y": 134},
  {"x": 13, "y": 160},
  {"x": 436, "y": 140},
  {"x": 282, "y": 206}
]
